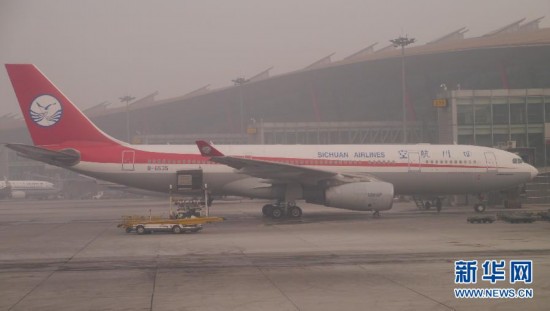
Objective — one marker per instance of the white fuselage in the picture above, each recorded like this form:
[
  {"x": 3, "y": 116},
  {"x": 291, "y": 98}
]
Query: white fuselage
[{"x": 412, "y": 169}]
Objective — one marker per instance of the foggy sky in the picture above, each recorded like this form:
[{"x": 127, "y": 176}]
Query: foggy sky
[{"x": 100, "y": 50}]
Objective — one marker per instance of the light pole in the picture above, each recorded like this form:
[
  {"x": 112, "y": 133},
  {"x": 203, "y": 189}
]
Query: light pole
[
  {"x": 127, "y": 99},
  {"x": 403, "y": 42},
  {"x": 239, "y": 83}
]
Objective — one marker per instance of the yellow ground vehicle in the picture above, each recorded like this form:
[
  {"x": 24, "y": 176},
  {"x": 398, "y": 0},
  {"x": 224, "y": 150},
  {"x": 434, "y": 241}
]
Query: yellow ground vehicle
[{"x": 144, "y": 224}]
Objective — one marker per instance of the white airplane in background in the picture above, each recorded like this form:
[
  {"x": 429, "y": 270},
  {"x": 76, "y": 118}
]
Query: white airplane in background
[
  {"x": 356, "y": 177},
  {"x": 20, "y": 189}
]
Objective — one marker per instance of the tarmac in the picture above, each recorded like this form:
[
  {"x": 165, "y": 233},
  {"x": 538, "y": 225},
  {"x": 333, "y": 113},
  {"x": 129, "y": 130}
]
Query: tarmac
[{"x": 69, "y": 255}]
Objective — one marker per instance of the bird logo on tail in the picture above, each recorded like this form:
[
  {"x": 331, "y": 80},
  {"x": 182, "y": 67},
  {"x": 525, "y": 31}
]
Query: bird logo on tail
[{"x": 46, "y": 110}]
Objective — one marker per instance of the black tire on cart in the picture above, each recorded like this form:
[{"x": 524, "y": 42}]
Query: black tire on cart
[
  {"x": 140, "y": 230},
  {"x": 128, "y": 229},
  {"x": 266, "y": 210},
  {"x": 177, "y": 229},
  {"x": 277, "y": 213},
  {"x": 427, "y": 205}
]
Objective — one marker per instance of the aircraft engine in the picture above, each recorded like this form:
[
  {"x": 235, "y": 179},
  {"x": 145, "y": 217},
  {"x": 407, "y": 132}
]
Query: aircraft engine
[
  {"x": 18, "y": 194},
  {"x": 361, "y": 196}
]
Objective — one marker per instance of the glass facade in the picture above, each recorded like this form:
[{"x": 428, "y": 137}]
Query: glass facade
[{"x": 496, "y": 118}]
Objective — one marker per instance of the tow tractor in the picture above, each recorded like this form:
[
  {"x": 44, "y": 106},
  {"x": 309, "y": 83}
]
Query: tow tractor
[{"x": 188, "y": 218}]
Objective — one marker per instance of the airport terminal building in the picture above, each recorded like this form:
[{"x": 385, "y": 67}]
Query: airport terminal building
[{"x": 492, "y": 90}]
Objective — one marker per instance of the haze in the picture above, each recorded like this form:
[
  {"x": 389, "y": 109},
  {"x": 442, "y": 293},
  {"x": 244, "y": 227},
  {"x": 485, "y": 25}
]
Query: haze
[{"x": 101, "y": 50}]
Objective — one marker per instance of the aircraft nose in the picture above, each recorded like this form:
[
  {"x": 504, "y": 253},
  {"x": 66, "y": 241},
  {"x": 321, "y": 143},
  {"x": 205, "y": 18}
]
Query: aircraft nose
[{"x": 534, "y": 172}]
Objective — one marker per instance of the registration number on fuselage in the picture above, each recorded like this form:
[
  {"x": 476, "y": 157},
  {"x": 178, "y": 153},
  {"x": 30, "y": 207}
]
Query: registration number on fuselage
[{"x": 157, "y": 167}]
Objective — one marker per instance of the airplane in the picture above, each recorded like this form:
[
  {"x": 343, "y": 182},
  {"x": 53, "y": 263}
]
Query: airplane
[
  {"x": 20, "y": 189},
  {"x": 354, "y": 177}
]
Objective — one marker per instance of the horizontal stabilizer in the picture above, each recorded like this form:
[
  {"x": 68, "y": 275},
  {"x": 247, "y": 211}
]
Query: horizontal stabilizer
[{"x": 63, "y": 158}]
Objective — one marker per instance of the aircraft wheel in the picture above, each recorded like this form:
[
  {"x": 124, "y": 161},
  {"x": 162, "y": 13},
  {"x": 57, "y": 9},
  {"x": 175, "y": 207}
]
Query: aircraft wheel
[
  {"x": 266, "y": 210},
  {"x": 294, "y": 212},
  {"x": 427, "y": 205},
  {"x": 438, "y": 204},
  {"x": 277, "y": 213},
  {"x": 176, "y": 229},
  {"x": 376, "y": 214},
  {"x": 480, "y": 207},
  {"x": 140, "y": 230}
]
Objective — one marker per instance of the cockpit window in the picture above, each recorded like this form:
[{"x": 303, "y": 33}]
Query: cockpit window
[{"x": 517, "y": 160}]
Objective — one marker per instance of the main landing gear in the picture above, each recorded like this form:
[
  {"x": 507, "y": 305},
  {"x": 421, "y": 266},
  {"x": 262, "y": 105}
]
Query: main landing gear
[
  {"x": 435, "y": 202},
  {"x": 282, "y": 209},
  {"x": 480, "y": 206},
  {"x": 429, "y": 203}
]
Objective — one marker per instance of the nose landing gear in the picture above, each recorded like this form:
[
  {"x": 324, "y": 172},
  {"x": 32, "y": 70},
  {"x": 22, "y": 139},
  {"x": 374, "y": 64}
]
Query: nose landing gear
[{"x": 480, "y": 207}]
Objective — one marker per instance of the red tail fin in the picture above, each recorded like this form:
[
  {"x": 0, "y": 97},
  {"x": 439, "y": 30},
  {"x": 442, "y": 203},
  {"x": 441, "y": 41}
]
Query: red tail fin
[{"x": 50, "y": 116}]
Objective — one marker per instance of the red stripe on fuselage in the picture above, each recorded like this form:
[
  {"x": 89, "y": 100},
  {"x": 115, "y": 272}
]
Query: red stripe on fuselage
[{"x": 112, "y": 153}]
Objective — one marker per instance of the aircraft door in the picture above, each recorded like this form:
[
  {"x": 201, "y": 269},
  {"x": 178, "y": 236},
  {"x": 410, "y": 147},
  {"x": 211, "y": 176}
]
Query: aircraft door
[
  {"x": 189, "y": 180},
  {"x": 491, "y": 161},
  {"x": 414, "y": 161},
  {"x": 128, "y": 157}
]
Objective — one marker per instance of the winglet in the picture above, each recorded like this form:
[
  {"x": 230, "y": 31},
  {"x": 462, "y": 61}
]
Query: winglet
[{"x": 207, "y": 150}]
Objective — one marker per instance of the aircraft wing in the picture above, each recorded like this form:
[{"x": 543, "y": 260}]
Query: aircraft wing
[
  {"x": 276, "y": 171},
  {"x": 58, "y": 158}
]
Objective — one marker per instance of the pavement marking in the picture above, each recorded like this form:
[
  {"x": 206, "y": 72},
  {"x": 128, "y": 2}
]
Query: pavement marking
[
  {"x": 154, "y": 284},
  {"x": 409, "y": 288},
  {"x": 277, "y": 287},
  {"x": 253, "y": 263},
  {"x": 58, "y": 268}
]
